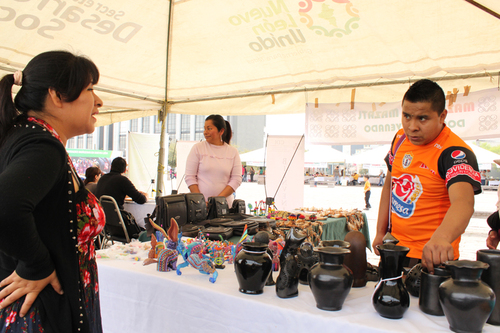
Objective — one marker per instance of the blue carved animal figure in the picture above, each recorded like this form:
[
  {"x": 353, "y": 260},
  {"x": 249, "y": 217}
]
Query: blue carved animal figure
[{"x": 192, "y": 254}]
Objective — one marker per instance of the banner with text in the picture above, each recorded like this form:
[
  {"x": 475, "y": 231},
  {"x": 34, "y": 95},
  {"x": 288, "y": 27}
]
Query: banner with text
[{"x": 475, "y": 116}]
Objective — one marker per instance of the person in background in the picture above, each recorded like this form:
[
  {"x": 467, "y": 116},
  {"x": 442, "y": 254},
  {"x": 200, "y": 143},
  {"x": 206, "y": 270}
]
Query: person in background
[
  {"x": 483, "y": 177},
  {"x": 494, "y": 223},
  {"x": 92, "y": 176},
  {"x": 355, "y": 178},
  {"x": 336, "y": 175},
  {"x": 213, "y": 167},
  {"x": 118, "y": 186},
  {"x": 368, "y": 192},
  {"x": 381, "y": 178},
  {"x": 48, "y": 220},
  {"x": 245, "y": 174},
  {"x": 252, "y": 172},
  {"x": 428, "y": 195}
]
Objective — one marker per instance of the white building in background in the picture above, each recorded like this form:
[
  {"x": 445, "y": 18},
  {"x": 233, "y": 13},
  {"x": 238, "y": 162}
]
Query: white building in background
[{"x": 248, "y": 132}]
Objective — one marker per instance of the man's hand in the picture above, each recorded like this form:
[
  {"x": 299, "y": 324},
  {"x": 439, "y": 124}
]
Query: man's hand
[
  {"x": 492, "y": 240},
  {"x": 15, "y": 287},
  {"x": 435, "y": 252},
  {"x": 378, "y": 240}
]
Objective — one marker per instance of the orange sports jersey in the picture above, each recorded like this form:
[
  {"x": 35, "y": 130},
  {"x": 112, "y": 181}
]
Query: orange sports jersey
[{"x": 421, "y": 176}]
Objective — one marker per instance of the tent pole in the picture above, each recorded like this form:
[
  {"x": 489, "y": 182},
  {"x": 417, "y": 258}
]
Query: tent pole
[{"x": 163, "y": 112}]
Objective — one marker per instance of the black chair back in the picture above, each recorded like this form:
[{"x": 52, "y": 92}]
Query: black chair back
[{"x": 115, "y": 229}]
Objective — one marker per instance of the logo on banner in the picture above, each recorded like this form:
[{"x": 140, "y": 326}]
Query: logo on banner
[
  {"x": 407, "y": 160},
  {"x": 458, "y": 155},
  {"x": 275, "y": 26},
  {"x": 336, "y": 18},
  {"x": 405, "y": 193}
]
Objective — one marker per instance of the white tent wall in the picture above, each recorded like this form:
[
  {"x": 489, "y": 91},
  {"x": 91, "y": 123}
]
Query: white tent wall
[
  {"x": 142, "y": 159},
  {"x": 183, "y": 148},
  {"x": 291, "y": 49},
  {"x": 285, "y": 171}
]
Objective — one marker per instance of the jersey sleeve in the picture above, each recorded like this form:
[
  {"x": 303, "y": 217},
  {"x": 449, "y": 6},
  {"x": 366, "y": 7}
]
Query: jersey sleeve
[
  {"x": 389, "y": 158},
  {"x": 459, "y": 164}
]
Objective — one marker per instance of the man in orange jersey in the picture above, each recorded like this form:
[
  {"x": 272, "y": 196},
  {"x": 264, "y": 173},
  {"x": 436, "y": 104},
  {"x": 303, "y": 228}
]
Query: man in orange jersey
[{"x": 431, "y": 181}]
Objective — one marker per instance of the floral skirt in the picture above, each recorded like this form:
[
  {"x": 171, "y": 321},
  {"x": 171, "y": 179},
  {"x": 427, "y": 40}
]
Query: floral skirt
[{"x": 10, "y": 321}]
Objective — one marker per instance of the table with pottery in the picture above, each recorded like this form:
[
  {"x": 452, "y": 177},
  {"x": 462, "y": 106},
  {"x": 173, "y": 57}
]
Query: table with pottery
[{"x": 137, "y": 298}]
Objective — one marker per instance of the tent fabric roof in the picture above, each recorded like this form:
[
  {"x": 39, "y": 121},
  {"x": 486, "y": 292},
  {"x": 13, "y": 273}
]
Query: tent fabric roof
[{"x": 252, "y": 57}]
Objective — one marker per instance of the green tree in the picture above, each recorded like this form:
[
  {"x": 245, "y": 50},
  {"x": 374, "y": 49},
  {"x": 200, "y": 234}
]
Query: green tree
[{"x": 495, "y": 149}]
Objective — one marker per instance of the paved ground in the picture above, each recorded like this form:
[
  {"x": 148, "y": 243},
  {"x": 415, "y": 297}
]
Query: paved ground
[{"x": 350, "y": 197}]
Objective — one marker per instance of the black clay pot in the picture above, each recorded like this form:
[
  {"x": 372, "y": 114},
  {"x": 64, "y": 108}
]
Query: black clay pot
[
  {"x": 252, "y": 266},
  {"x": 428, "y": 300},
  {"x": 491, "y": 276},
  {"x": 330, "y": 281},
  {"x": 467, "y": 301},
  {"x": 390, "y": 298}
]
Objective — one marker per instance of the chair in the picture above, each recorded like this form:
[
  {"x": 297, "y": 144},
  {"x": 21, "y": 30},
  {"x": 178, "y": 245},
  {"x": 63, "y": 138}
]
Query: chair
[{"x": 115, "y": 228}]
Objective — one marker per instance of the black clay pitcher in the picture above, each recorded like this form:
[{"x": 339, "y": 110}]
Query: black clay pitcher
[
  {"x": 252, "y": 266},
  {"x": 330, "y": 281},
  {"x": 390, "y": 298},
  {"x": 491, "y": 276},
  {"x": 467, "y": 301}
]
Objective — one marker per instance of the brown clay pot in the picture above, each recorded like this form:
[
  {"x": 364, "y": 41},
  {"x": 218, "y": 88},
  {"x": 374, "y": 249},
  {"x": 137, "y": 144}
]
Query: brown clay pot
[{"x": 356, "y": 260}]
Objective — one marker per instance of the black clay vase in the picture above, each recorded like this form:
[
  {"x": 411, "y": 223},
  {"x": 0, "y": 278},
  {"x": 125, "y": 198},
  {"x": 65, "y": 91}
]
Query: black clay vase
[
  {"x": 330, "y": 281},
  {"x": 252, "y": 266},
  {"x": 390, "y": 298},
  {"x": 428, "y": 300},
  {"x": 491, "y": 276},
  {"x": 467, "y": 301}
]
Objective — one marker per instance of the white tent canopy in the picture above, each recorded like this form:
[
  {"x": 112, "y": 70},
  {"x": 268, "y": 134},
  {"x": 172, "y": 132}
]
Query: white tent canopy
[
  {"x": 321, "y": 154},
  {"x": 257, "y": 56}
]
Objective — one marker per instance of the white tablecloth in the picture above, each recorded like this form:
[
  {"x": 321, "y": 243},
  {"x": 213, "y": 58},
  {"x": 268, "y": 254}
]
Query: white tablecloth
[
  {"x": 140, "y": 211},
  {"x": 136, "y": 298}
]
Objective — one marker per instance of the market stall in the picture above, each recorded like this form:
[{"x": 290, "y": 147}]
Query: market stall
[{"x": 137, "y": 298}]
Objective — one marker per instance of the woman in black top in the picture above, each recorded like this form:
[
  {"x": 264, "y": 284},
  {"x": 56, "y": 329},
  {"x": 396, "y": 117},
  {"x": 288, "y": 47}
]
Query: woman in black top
[{"x": 48, "y": 220}]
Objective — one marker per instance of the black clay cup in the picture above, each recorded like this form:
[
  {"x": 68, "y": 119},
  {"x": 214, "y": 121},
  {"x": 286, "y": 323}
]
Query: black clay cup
[{"x": 428, "y": 300}]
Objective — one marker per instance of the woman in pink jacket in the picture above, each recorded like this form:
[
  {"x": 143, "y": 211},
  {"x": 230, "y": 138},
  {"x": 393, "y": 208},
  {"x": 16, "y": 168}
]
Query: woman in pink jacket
[{"x": 213, "y": 166}]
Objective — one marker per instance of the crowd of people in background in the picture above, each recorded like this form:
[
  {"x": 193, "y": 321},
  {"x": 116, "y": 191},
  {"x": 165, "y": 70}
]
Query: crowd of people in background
[{"x": 248, "y": 173}]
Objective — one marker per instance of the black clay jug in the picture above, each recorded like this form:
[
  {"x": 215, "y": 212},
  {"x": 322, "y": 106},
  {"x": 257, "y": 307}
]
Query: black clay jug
[
  {"x": 330, "y": 281},
  {"x": 491, "y": 276},
  {"x": 252, "y": 266},
  {"x": 390, "y": 298},
  {"x": 466, "y": 300}
]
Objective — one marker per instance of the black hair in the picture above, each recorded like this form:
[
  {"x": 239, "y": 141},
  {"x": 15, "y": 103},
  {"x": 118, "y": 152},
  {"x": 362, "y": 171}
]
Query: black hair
[
  {"x": 66, "y": 73},
  {"x": 220, "y": 123},
  {"x": 119, "y": 165},
  {"x": 426, "y": 91},
  {"x": 91, "y": 173}
]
